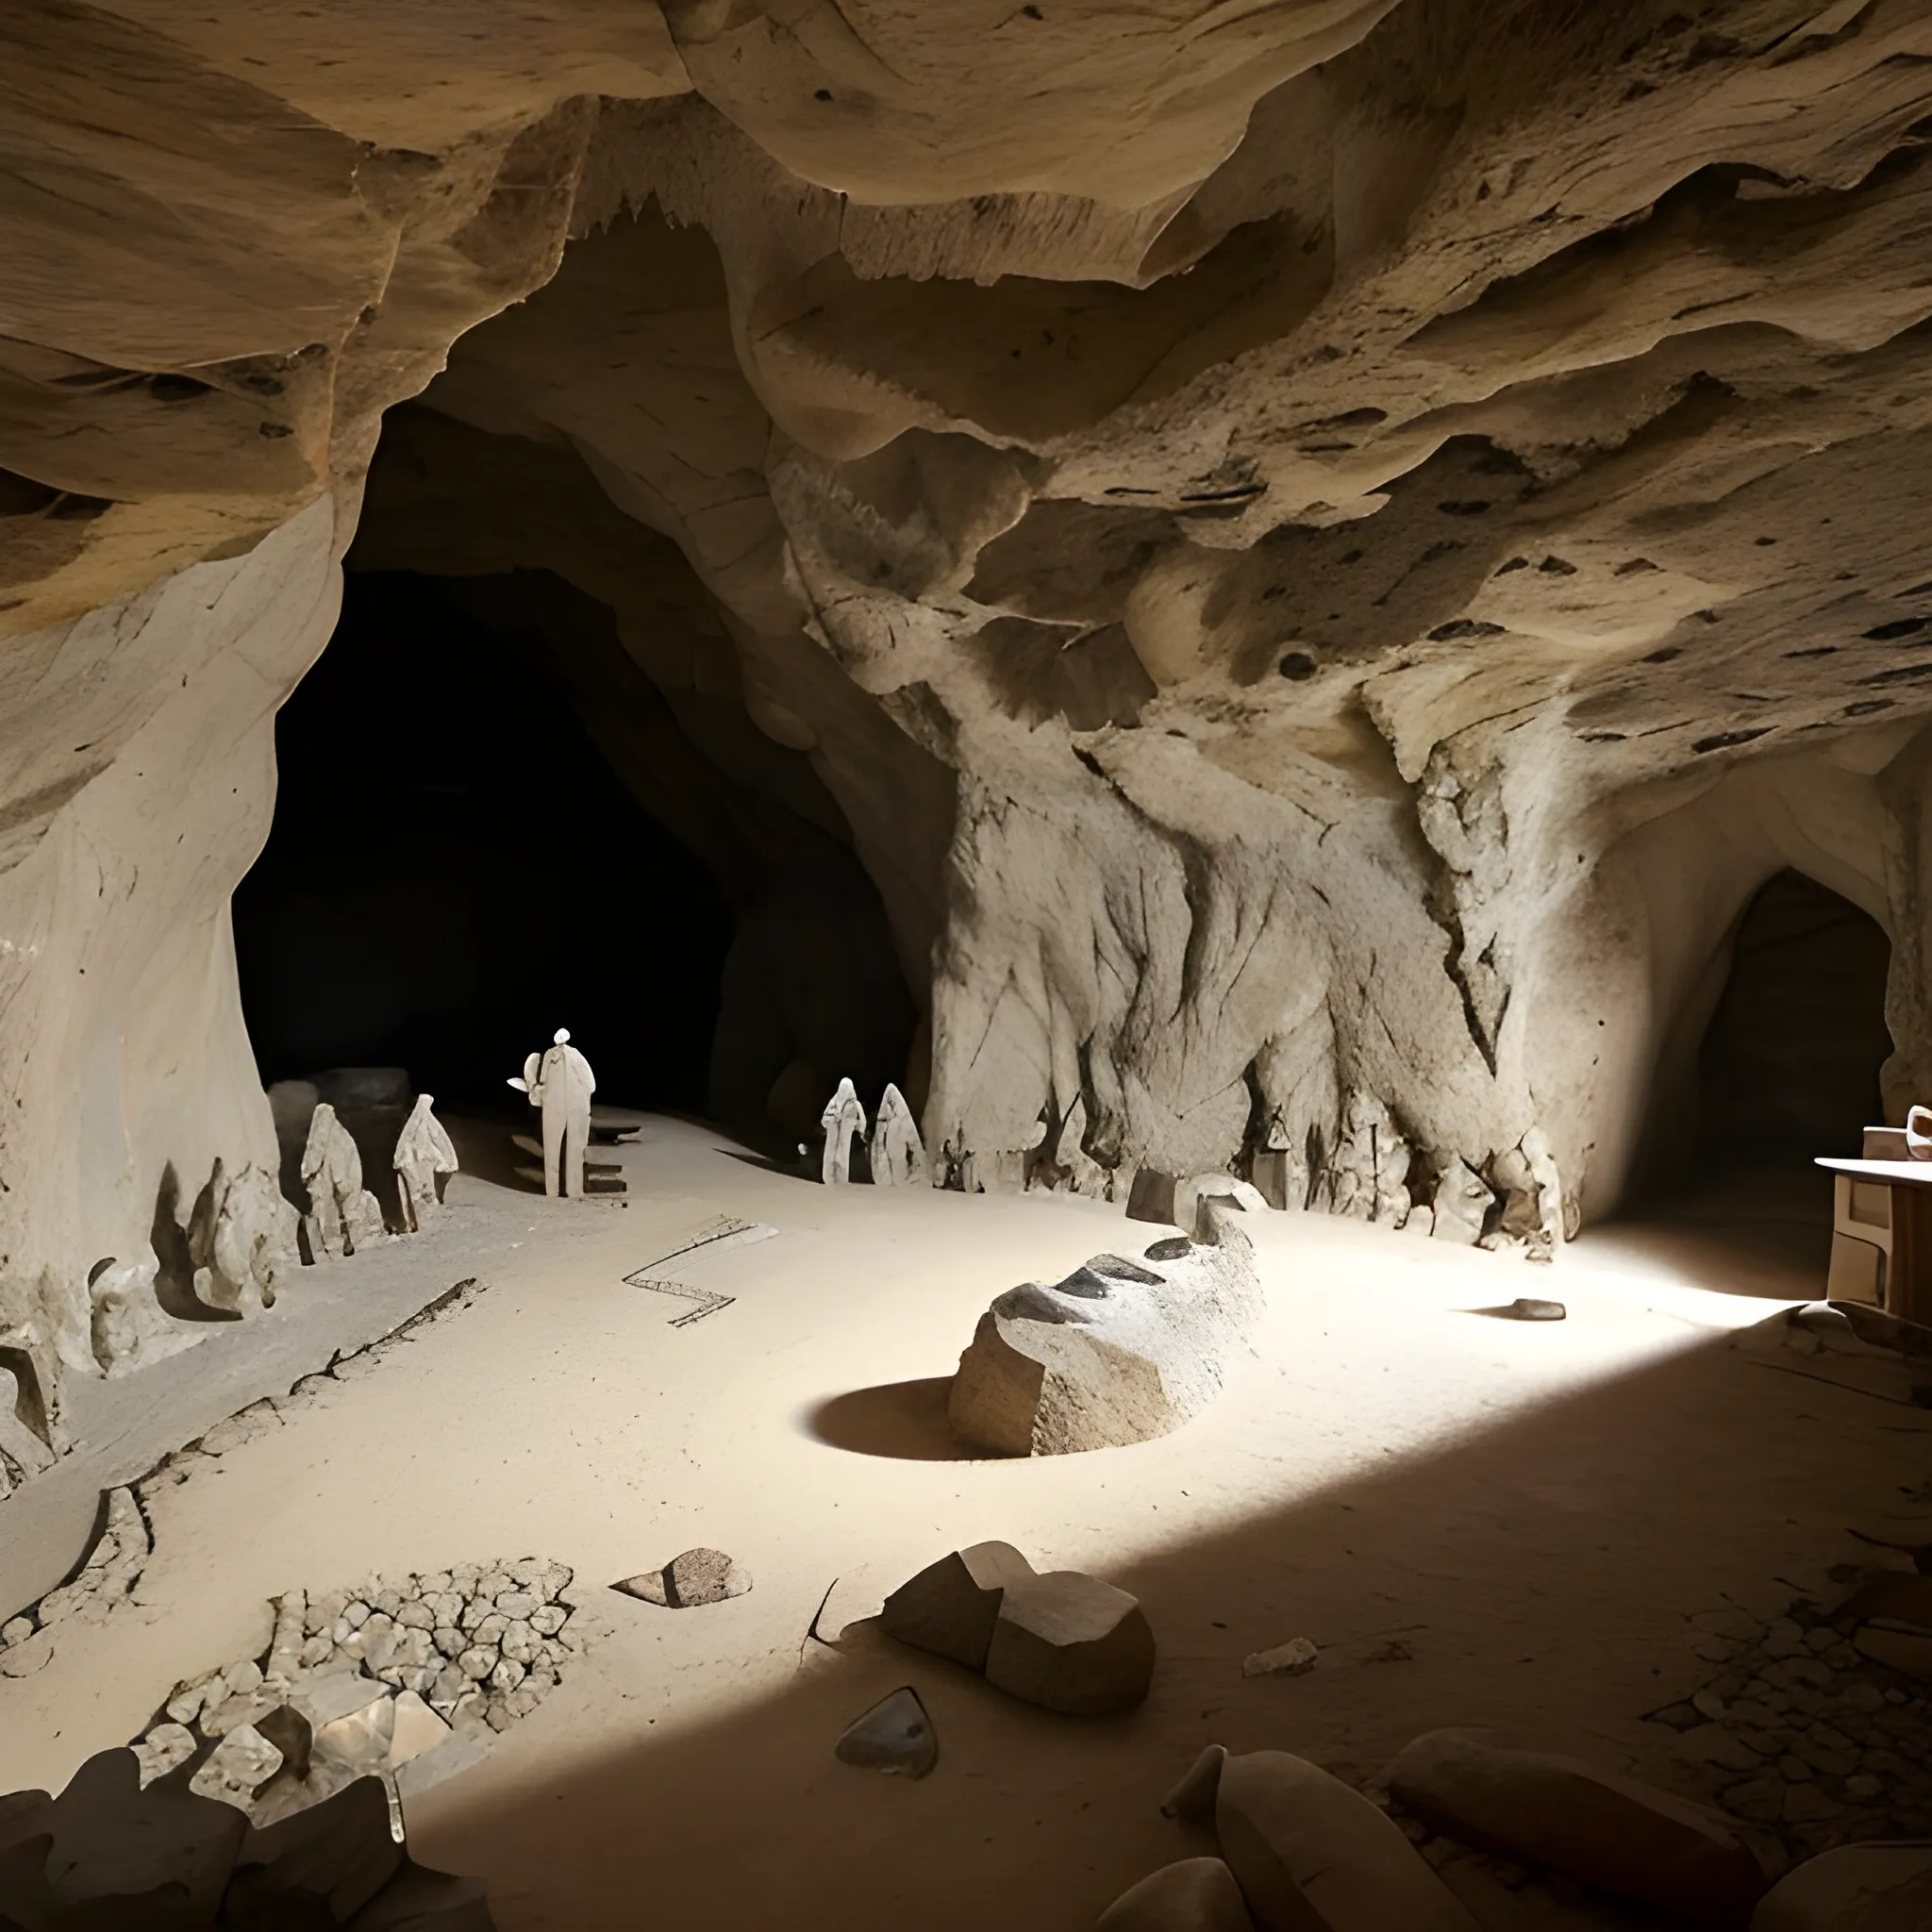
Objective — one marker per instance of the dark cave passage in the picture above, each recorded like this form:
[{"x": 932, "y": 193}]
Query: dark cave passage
[
  {"x": 1786, "y": 1068},
  {"x": 1791, "y": 1058},
  {"x": 454, "y": 871}
]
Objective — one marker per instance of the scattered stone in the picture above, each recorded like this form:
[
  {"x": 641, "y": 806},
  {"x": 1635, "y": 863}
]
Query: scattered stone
[
  {"x": 1307, "y": 1852},
  {"x": 1195, "y": 1895},
  {"x": 951, "y": 1606},
  {"x": 1294, "y": 1658},
  {"x": 1151, "y": 1196},
  {"x": 1527, "y": 1308},
  {"x": 895, "y": 1736},
  {"x": 1856, "y": 1889},
  {"x": 1193, "y": 1799},
  {"x": 1588, "y": 1823},
  {"x": 697, "y": 1577},
  {"x": 164, "y": 1748},
  {"x": 1115, "y": 1353},
  {"x": 1069, "y": 1642},
  {"x": 242, "y": 1763}
]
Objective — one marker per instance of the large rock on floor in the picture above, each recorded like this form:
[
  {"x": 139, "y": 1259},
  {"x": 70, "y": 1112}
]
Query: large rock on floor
[
  {"x": 1195, "y": 1895},
  {"x": 1854, "y": 1889},
  {"x": 1064, "y": 1640},
  {"x": 1070, "y": 1642},
  {"x": 1312, "y": 1856},
  {"x": 1579, "y": 1819},
  {"x": 1119, "y": 1351},
  {"x": 951, "y": 1606}
]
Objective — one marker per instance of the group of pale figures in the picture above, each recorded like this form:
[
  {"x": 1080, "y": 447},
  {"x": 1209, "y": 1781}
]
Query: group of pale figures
[{"x": 894, "y": 1152}]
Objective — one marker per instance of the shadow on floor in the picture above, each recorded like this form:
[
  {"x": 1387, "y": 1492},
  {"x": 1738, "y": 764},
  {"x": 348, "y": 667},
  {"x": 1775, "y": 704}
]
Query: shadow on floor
[
  {"x": 903, "y": 1420},
  {"x": 1536, "y": 1576}
]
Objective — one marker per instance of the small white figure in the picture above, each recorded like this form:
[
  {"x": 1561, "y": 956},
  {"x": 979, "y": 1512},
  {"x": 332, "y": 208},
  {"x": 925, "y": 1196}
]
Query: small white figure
[
  {"x": 343, "y": 1215},
  {"x": 842, "y": 1118},
  {"x": 897, "y": 1153},
  {"x": 561, "y": 1084},
  {"x": 423, "y": 1151}
]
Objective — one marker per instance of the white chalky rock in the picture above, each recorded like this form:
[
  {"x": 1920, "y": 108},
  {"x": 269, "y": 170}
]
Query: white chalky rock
[
  {"x": 242, "y": 1763},
  {"x": 1119, "y": 1351},
  {"x": 897, "y": 1153},
  {"x": 424, "y": 1155},
  {"x": 164, "y": 1748},
  {"x": 343, "y": 1215},
  {"x": 240, "y": 1241},
  {"x": 843, "y": 1120},
  {"x": 478, "y": 1663},
  {"x": 127, "y": 1326},
  {"x": 1294, "y": 1658}
]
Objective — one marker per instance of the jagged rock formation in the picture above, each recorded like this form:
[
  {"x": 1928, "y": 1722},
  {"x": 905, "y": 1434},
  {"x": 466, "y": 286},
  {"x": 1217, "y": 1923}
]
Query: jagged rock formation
[
  {"x": 1291, "y": 565},
  {"x": 1117, "y": 1352}
]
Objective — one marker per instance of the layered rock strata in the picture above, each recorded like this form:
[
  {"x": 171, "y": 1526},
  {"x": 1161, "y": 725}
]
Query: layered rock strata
[{"x": 1279, "y": 576}]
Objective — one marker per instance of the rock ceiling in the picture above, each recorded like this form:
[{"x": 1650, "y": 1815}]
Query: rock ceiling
[{"x": 1316, "y": 552}]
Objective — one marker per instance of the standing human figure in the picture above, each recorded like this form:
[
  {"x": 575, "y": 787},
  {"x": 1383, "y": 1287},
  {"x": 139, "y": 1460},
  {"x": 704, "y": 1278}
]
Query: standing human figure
[
  {"x": 561, "y": 1083},
  {"x": 842, "y": 1119}
]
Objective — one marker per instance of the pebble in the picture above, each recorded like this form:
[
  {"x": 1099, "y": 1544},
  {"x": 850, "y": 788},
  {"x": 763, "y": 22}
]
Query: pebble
[
  {"x": 508, "y": 1674},
  {"x": 518, "y": 1604},
  {"x": 415, "y": 1615},
  {"x": 478, "y": 1663},
  {"x": 1294, "y": 1658}
]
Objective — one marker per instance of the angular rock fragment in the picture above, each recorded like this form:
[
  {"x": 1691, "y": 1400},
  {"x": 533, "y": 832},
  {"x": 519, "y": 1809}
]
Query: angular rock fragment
[
  {"x": 1115, "y": 1353},
  {"x": 1151, "y": 1196},
  {"x": 1527, "y": 1308},
  {"x": 1876, "y": 1887},
  {"x": 1588, "y": 1823},
  {"x": 1070, "y": 1642},
  {"x": 1195, "y": 1895},
  {"x": 236, "y": 1768},
  {"x": 1312, "y": 1856},
  {"x": 164, "y": 1748},
  {"x": 1294, "y": 1658},
  {"x": 895, "y": 1736},
  {"x": 689, "y": 1581},
  {"x": 951, "y": 1606}
]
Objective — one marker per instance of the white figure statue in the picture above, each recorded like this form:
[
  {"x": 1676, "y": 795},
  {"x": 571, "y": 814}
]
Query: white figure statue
[
  {"x": 898, "y": 1154},
  {"x": 423, "y": 1151},
  {"x": 561, "y": 1084},
  {"x": 343, "y": 1215},
  {"x": 842, "y": 1118}
]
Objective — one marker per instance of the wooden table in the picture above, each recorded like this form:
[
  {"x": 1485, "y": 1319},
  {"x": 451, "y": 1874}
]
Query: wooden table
[{"x": 1908, "y": 1275}]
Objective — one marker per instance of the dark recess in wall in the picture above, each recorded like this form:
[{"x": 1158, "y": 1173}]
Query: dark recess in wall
[
  {"x": 454, "y": 872},
  {"x": 1790, "y": 1060}
]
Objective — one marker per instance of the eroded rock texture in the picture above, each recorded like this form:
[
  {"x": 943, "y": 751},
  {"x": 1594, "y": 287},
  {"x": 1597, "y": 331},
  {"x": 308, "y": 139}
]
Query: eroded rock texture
[{"x": 1297, "y": 566}]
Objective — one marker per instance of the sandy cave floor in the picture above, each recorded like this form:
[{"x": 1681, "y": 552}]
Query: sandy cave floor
[{"x": 1532, "y": 1512}]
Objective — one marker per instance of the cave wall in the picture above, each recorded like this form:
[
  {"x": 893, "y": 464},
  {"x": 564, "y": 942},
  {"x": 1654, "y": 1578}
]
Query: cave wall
[{"x": 1315, "y": 557}]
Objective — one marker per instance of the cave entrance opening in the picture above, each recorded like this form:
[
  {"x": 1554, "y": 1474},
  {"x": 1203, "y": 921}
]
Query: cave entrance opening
[
  {"x": 1788, "y": 1069},
  {"x": 453, "y": 871}
]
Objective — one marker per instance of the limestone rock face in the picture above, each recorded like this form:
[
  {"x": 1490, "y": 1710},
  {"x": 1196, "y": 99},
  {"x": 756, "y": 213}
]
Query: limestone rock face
[
  {"x": 1188, "y": 568},
  {"x": 1119, "y": 1351}
]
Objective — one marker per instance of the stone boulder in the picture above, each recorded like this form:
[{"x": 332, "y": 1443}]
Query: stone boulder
[
  {"x": 1070, "y": 1642},
  {"x": 895, "y": 1736},
  {"x": 1854, "y": 1889},
  {"x": 1580, "y": 1820},
  {"x": 1118, "y": 1352},
  {"x": 689, "y": 1581},
  {"x": 1309, "y": 1854},
  {"x": 1195, "y": 1895},
  {"x": 950, "y": 1608},
  {"x": 1064, "y": 1640}
]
